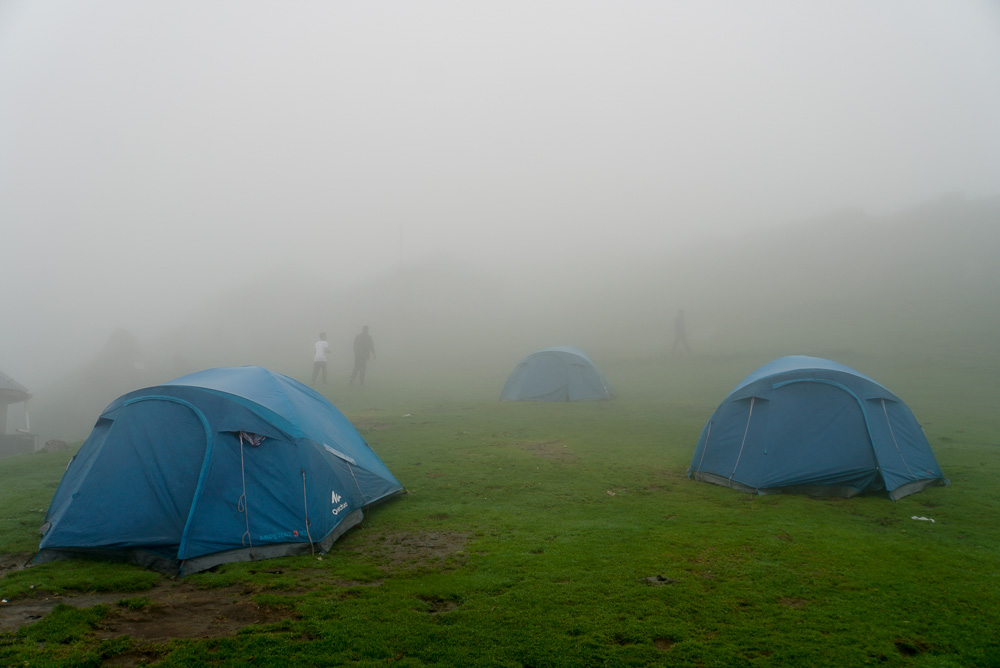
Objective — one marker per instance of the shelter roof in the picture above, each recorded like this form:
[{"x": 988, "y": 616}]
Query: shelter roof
[{"x": 11, "y": 391}]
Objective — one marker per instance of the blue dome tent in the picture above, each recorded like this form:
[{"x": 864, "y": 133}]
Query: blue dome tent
[
  {"x": 230, "y": 464},
  {"x": 556, "y": 374},
  {"x": 806, "y": 424}
]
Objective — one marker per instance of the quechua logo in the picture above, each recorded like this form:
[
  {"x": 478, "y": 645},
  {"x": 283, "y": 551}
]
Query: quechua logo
[{"x": 335, "y": 500}]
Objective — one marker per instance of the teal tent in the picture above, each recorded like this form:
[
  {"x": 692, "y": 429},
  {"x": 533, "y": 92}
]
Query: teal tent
[
  {"x": 562, "y": 373},
  {"x": 806, "y": 424},
  {"x": 233, "y": 464}
]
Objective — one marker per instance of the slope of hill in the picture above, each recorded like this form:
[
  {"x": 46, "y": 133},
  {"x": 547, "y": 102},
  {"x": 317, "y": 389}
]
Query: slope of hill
[{"x": 925, "y": 279}]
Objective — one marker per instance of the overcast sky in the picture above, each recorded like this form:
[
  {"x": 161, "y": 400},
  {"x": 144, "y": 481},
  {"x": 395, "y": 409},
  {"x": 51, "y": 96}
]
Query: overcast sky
[{"x": 152, "y": 151}]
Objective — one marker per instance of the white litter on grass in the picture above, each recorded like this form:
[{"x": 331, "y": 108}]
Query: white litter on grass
[{"x": 926, "y": 519}]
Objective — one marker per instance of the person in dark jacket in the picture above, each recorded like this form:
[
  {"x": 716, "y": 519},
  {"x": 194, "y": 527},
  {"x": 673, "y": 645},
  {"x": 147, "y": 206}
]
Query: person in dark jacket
[{"x": 364, "y": 347}]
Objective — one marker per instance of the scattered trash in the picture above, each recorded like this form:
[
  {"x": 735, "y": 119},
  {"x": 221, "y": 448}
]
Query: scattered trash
[
  {"x": 3, "y": 601},
  {"x": 408, "y": 415},
  {"x": 657, "y": 581},
  {"x": 610, "y": 493},
  {"x": 926, "y": 519}
]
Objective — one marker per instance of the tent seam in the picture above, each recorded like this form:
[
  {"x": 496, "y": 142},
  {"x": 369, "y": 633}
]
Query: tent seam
[
  {"x": 242, "y": 505},
  {"x": 745, "y": 432},
  {"x": 893, "y": 434},
  {"x": 708, "y": 436},
  {"x": 209, "y": 442}
]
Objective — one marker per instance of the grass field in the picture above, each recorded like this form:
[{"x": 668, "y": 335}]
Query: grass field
[{"x": 566, "y": 535}]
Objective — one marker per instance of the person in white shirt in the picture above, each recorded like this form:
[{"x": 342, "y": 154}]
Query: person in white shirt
[{"x": 319, "y": 360}]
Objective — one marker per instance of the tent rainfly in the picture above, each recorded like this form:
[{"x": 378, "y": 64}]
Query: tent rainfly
[
  {"x": 806, "y": 424},
  {"x": 556, "y": 374},
  {"x": 231, "y": 464}
]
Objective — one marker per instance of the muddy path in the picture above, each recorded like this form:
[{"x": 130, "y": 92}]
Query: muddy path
[{"x": 175, "y": 608}]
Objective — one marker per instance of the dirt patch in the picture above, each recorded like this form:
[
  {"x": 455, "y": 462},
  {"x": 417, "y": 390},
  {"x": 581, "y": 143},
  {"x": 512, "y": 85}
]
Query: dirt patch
[
  {"x": 437, "y": 605},
  {"x": 172, "y": 610},
  {"x": 15, "y": 614},
  {"x": 176, "y": 609},
  {"x": 909, "y": 647},
  {"x": 131, "y": 659},
  {"x": 15, "y": 561},
  {"x": 556, "y": 450},
  {"x": 182, "y": 611},
  {"x": 412, "y": 550},
  {"x": 793, "y": 602}
]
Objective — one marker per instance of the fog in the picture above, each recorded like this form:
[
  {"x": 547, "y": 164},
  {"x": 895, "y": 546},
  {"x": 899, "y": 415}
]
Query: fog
[{"x": 193, "y": 184}]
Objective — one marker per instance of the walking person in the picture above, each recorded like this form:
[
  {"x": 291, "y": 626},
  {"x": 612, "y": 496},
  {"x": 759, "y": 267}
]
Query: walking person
[
  {"x": 364, "y": 347},
  {"x": 319, "y": 359},
  {"x": 680, "y": 333}
]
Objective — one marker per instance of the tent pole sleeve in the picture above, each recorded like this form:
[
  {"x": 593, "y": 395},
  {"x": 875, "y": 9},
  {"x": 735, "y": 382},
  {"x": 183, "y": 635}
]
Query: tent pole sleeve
[
  {"x": 746, "y": 430},
  {"x": 893, "y": 434},
  {"x": 360, "y": 491},
  {"x": 242, "y": 506},
  {"x": 305, "y": 510},
  {"x": 708, "y": 436}
]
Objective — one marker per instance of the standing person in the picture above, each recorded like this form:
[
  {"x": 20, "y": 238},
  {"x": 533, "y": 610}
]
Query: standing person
[
  {"x": 364, "y": 348},
  {"x": 680, "y": 333},
  {"x": 319, "y": 359}
]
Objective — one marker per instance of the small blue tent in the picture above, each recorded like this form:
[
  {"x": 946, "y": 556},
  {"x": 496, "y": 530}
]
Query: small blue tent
[
  {"x": 232, "y": 464},
  {"x": 805, "y": 424},
  {"x": 556, "y": 374}
]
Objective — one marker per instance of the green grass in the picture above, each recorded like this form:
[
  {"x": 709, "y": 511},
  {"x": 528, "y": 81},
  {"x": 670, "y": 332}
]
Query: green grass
[
  {"x": 29, "y": 481},
  {"x": 566, "y": 510}
]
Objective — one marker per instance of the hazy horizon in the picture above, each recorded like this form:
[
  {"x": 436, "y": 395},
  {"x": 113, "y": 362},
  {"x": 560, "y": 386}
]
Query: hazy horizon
[{"x": 156, "y": 158}]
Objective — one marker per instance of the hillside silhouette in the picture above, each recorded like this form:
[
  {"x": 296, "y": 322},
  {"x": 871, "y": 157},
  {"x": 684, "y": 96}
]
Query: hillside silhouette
[{"x": 921, "y": 280}]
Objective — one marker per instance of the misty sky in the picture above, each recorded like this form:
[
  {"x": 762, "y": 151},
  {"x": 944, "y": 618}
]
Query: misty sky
[{"x": 155, "y": 154}]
